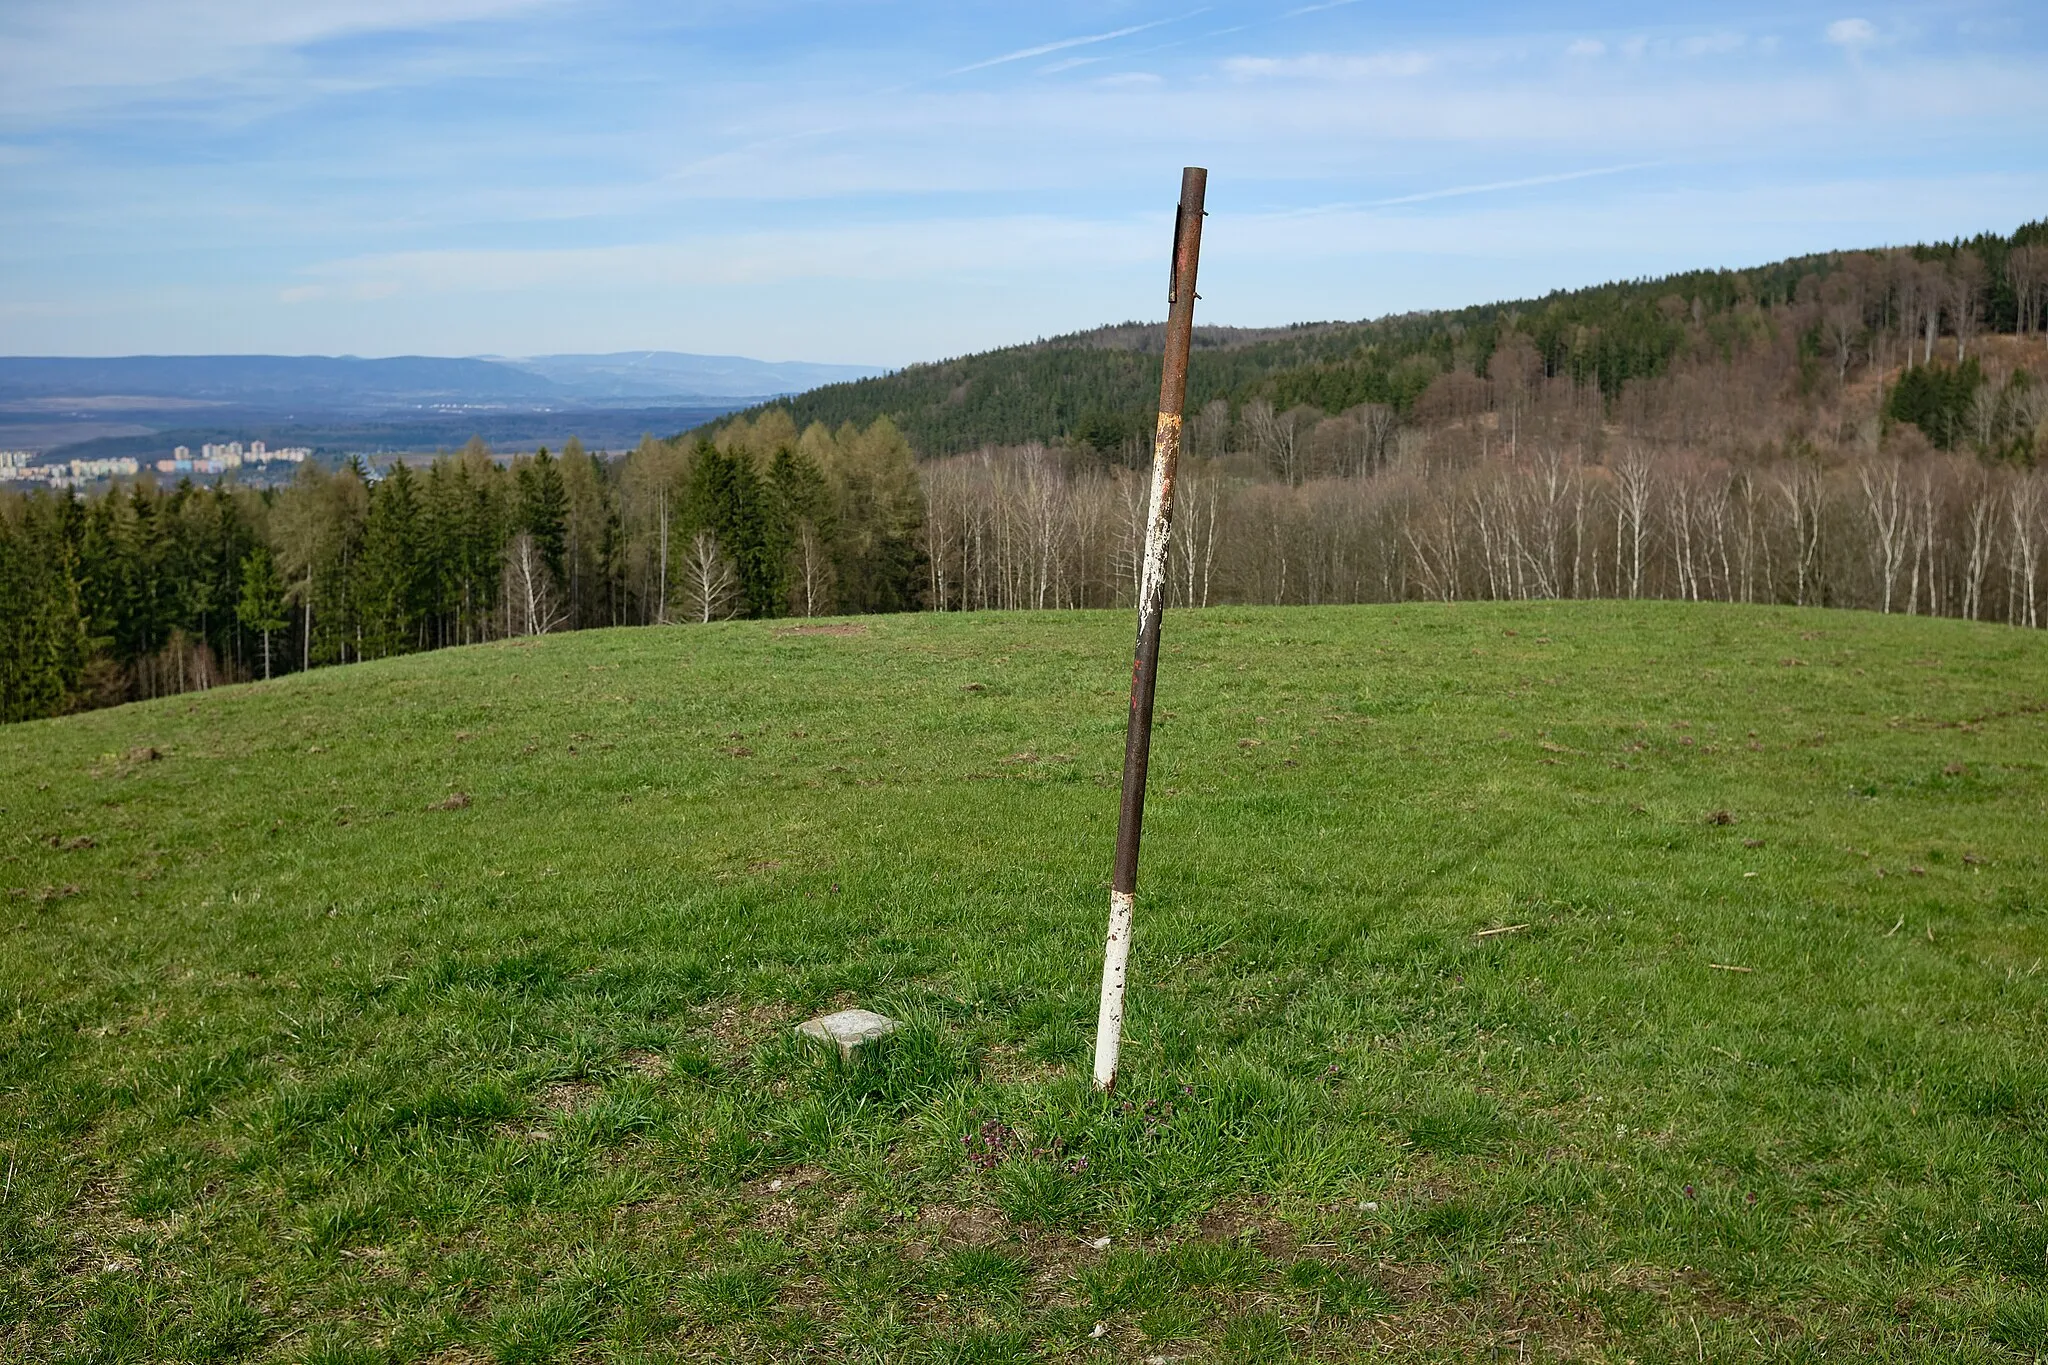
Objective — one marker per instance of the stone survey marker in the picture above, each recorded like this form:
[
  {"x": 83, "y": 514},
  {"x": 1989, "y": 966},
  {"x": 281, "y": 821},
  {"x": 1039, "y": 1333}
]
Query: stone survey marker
[{"x": 849, "y": 1029}]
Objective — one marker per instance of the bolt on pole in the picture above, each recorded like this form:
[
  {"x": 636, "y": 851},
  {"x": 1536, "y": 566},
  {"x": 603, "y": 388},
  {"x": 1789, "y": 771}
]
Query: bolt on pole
[{"x": 1173, "y": 390}]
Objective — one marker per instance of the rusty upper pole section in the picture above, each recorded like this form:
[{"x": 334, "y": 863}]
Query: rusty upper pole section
[
  {"x": 1173, "y": 392},
  {"x": 1173, "y": 388}
]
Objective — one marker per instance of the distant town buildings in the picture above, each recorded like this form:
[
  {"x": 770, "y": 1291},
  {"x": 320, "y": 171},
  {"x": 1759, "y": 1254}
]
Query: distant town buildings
[
  {"x": 124, "y": 467},
  {"x": 19, "y": 466},
  {"x": 15, "y": 468},
  {"x": 219, "y": 459}
]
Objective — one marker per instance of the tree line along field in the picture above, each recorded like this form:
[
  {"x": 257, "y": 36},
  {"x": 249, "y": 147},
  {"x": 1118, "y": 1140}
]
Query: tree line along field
[
  {"x": 1858, "y": 429},
  {"x": 1589, "y": 980}
]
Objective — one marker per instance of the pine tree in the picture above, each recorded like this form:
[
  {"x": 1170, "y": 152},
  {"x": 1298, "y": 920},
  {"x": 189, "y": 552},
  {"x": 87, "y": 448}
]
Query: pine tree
[
  {"x": 480, "y": 529},
  {"x": 593, "y": 537},
  {"x": 390, "y": 569},
  {"x": 42, "y": 631},
  {"x": 262, "y": 606},
  {"x": 343, "y": 509},
  {"x": 544, "y": 511},
  {"x": 726, "y": 497},
  {"x": 141, "y": 614},
  {"x": 807, "y": 522}
]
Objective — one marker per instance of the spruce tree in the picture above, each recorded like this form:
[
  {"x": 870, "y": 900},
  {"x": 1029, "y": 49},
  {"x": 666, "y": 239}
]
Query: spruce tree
[
  {"x": 726, "y": 498},
  {"x": 262, "y": 606},
  {"x": 42, "y": 631},
  {"x": 807, "y": 521},
  {"x": 390, "y": 570},
  {"x": 544, "y": 511}
]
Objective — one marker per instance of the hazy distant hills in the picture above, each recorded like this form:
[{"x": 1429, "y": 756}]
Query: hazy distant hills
[
  {"x": 143, "y": 405},
  {"x": 352, "y": 384},
  {"x": 641, "y": 375}
]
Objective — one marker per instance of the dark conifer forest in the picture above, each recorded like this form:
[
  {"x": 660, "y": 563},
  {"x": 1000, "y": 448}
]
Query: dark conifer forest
[{"x": 1857, "y": 429}]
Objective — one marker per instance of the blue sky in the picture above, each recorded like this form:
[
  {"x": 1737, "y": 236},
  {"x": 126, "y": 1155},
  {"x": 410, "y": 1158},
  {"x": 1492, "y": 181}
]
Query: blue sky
[{"x": 879, "y": 183}]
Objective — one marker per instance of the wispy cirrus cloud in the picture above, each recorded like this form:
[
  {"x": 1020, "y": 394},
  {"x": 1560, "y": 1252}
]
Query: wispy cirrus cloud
[
  {"x": 1063, "y": 44},
  {"x": 64, "y": 56},
  {"x": 802, "y": 177}
]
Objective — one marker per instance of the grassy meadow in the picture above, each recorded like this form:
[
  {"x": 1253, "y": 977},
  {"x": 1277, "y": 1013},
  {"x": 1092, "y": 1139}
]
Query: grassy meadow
[{"x": 1592, "y": 981}]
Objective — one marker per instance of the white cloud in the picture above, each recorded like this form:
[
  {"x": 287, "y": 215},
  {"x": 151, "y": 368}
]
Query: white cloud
[
  {"x": 882, "y": 251},
  {"x": 1852, "y": 33},
  {"x": 1586, "y": 47},
  {"x": 1326, "y": 66},
  {"x": 1713, "y": 44},
  {"x": 64, "y": 55}
]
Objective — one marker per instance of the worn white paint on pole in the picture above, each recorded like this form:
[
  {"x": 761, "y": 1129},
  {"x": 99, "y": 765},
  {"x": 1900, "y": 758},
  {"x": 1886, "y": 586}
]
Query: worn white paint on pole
[
  {"x": 1173, "y": 378},
  {"x": 1109, "y": 1027}
]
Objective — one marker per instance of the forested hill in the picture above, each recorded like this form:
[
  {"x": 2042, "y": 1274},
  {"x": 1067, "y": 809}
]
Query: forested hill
[{"x": 1099, "y": 388}]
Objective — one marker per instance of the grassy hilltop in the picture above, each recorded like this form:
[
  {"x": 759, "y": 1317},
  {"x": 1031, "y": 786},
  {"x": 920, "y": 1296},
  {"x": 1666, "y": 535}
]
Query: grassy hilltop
[{"x": 440, "y": 1007}]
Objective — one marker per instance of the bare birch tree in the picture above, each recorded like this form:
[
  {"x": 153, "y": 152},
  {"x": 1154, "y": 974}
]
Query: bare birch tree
[{"x": 710, "y": 585}]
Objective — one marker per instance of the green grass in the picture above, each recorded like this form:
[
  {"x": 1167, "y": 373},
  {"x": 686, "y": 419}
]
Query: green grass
[{"x": 301, "y": 1060}]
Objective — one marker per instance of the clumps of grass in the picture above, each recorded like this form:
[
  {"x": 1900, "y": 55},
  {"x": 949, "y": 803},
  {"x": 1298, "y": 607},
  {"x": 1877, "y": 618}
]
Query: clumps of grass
[
  {"x": 165, "y": 1180},
  {"x": 346, "y": 1220},
  {"x": 731, "y": 1294},
  {"x": 1123, "y": 1282},
  {"x": 542, "y": 1328},
  {"x": 1255, "y": 1336},
  {"x": 1455, "y": 1125},
  {"x": 1231, "y": 1264},
  {"x": 982, "y": 1270},
  {"x": 1034, "y": 1194},
  {"x": 1337, "y": 1290},
  {"x": 1466, "y": 1222},
  {"x": 218, "y": 1322}
]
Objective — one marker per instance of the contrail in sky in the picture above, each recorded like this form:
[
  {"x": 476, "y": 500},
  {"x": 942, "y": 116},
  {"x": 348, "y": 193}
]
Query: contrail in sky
[
  {"x": 1509, "y": 184},
  {"x": 1024, "y": 53}
]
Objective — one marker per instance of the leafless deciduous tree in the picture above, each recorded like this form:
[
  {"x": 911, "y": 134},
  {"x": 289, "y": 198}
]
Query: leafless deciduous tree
[
  {"x": 531, "y": 592},
  {"x": 1884, "y": 495},
  {"x": 810, "y": 587},
  {"x": 2026, "y": 270},
  {"x": 1963, "y": 297},
  {"x": 710, "y": 586}
]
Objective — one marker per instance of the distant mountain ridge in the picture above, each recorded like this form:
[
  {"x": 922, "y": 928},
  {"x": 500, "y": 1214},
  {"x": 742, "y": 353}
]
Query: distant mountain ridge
[
  {"x": 662, "y": 374},
  {"x": 355, "y": 384}
]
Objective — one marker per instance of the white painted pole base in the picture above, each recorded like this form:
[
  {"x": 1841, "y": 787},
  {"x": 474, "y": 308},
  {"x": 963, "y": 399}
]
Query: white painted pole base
[{"x": 1109, "y": 1022}]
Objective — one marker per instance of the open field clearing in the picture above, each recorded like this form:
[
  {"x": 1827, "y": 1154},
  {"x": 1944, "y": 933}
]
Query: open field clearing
[{"x": 1605, "y": 981}]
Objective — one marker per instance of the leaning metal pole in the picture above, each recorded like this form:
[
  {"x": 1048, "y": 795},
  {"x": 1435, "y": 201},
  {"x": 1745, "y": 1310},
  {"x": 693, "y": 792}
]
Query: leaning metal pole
[{"x": 1173, "y": 388}]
